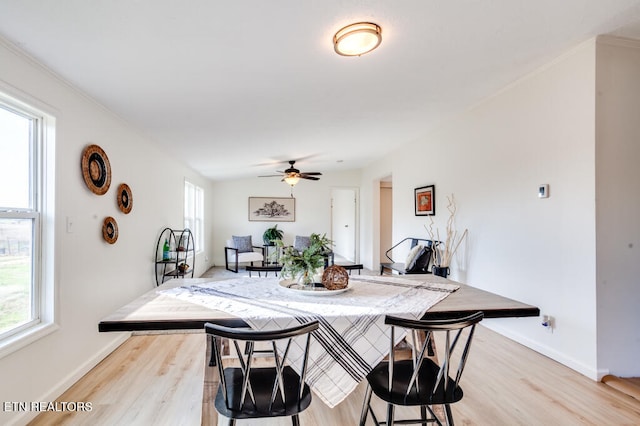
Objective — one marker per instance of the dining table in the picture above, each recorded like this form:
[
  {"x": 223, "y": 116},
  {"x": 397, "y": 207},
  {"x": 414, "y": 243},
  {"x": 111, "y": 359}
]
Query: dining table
[
  {"x": 154, "y": 310},
  {"x": 351, "y": 320}
]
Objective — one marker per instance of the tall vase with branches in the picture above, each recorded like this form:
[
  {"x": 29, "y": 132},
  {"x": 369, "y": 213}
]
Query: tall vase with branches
[{"x": 444, "y": 250}]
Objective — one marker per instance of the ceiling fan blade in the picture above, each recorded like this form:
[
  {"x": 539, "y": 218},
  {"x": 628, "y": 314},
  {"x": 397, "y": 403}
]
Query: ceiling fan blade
[
  {"x": 312, "y": 173},
  {"x": 270, "y": 176},
  {"x": 302, "y": 176}
]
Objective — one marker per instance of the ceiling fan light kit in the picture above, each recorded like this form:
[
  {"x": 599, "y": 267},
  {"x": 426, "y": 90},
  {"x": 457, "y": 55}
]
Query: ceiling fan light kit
[
  {"x": 357, "y": 39},
  {"x": 292, "y": 179}
]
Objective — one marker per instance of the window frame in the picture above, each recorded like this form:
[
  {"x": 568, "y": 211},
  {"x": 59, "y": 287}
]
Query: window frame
[
  {"x": 41, "y": 211},
  {"x": 198, "y": 214}
]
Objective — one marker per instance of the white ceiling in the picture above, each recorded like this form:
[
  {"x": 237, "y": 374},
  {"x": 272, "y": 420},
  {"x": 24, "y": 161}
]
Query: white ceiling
[{"x": 233, "y": 87}]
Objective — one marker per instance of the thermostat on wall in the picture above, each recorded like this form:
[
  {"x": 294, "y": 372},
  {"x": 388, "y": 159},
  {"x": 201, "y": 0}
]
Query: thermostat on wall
[{"x": 543, "y": 191}]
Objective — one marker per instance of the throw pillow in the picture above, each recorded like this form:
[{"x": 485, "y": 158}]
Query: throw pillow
[
  {"x": 411, "y": 257},
  {"x": 243, "y": 244},
  {"x": 420, "y": 264},
  {"x": 422, "y": 261},
  {"x": 301, "y": 243}
]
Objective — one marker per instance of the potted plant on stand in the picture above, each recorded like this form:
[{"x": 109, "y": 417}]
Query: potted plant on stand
[
  {"x": 304, "y": 265},
  {"x": 443, "y": 251},
  {"x": 271, "y": 235}
]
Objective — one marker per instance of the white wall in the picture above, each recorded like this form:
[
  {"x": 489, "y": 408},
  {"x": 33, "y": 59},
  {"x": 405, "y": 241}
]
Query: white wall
[
  {"x": 313, "y": 207},
  {"x": 493, "y": 157},
  {"x": 93, "y": 278},
  {"x": 618, "y": 205}
]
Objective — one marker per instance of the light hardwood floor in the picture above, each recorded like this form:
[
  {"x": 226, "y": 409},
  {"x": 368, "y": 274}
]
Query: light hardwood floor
[{"x": 158, "y": 380}]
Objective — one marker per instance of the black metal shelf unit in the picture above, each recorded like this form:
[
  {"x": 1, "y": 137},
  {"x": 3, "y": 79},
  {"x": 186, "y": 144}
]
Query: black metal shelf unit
[{"x": 180, "y": 260}]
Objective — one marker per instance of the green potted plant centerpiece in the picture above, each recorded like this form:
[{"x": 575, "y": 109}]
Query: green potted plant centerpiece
[
  {"x": 271, "y": 235},
  {"x": 303, "y": 265}
]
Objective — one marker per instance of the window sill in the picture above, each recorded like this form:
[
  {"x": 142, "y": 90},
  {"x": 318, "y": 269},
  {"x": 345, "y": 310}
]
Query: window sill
[{"x": 20, "y": 340}]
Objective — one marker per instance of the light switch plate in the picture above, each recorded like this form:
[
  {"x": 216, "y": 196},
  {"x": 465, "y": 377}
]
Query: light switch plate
[{"x": 543, "y": 191}]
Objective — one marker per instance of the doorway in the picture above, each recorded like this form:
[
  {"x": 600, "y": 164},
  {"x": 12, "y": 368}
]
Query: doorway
[
  {"x": 344, "y": 232},
  {"x": 386, "y": 216}
]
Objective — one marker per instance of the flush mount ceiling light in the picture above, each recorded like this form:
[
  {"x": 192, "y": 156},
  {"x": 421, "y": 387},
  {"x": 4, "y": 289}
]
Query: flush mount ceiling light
[{"x": 357, "y": 39}]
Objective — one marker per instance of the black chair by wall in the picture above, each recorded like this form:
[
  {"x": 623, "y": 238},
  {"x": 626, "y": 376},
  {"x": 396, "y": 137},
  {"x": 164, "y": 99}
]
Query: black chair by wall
[
  {"x": 417, "y": 261},
  {"x": 422, "y": 381},
  {"x": 273, "y": 389}
]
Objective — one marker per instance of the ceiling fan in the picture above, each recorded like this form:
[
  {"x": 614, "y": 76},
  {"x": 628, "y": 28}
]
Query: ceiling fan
[{"x": 293, "y": 175}]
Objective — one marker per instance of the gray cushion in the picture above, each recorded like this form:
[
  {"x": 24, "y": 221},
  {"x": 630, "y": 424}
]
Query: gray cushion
[
  {"x": 243, "y": 244},
  {"x": 301, "y": 243}
]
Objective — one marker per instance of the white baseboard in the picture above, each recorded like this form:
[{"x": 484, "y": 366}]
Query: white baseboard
[
  {"x": 580, "y": 367},
  {"x": 71, "y": 378}
]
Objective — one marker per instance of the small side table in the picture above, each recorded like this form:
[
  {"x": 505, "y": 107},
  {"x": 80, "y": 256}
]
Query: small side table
[{"x": 269, "y": 251}]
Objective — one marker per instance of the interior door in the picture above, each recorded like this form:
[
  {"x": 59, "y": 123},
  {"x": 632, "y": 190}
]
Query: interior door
[{"x": 343, "y": 223}]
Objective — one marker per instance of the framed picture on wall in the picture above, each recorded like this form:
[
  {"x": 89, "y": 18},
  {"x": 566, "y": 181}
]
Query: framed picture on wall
[
  {"x": 272, "y": 209},
  {"x": 425, "y": 200}
]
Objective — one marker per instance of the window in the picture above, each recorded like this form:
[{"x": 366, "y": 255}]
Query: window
[
  {"x": 26, "y": 296},
  {"x": 194, "y": 213}
]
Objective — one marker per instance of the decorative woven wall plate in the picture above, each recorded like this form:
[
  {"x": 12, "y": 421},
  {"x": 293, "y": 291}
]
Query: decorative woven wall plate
[
  {"x": 110, "y": 230},
  {"x": 96, "y": 169},
  {"x": 125, "y": 198}
]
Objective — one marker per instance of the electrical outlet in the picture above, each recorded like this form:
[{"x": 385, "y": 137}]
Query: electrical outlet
[{"x": 548, "y": 322}]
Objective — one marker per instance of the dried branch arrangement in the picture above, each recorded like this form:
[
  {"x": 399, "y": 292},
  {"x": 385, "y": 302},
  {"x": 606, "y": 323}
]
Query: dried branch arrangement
[{"x": 444, "y": 251}]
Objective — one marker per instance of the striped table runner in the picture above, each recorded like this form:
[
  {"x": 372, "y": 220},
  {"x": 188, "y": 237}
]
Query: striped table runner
[{"x": 352, "y": 337}]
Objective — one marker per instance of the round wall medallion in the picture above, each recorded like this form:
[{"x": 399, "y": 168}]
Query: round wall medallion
[
  {"x": 125, "y": 198},
  {"x": 110, "y": 230},
  {"x": 96, "y": 169}
]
